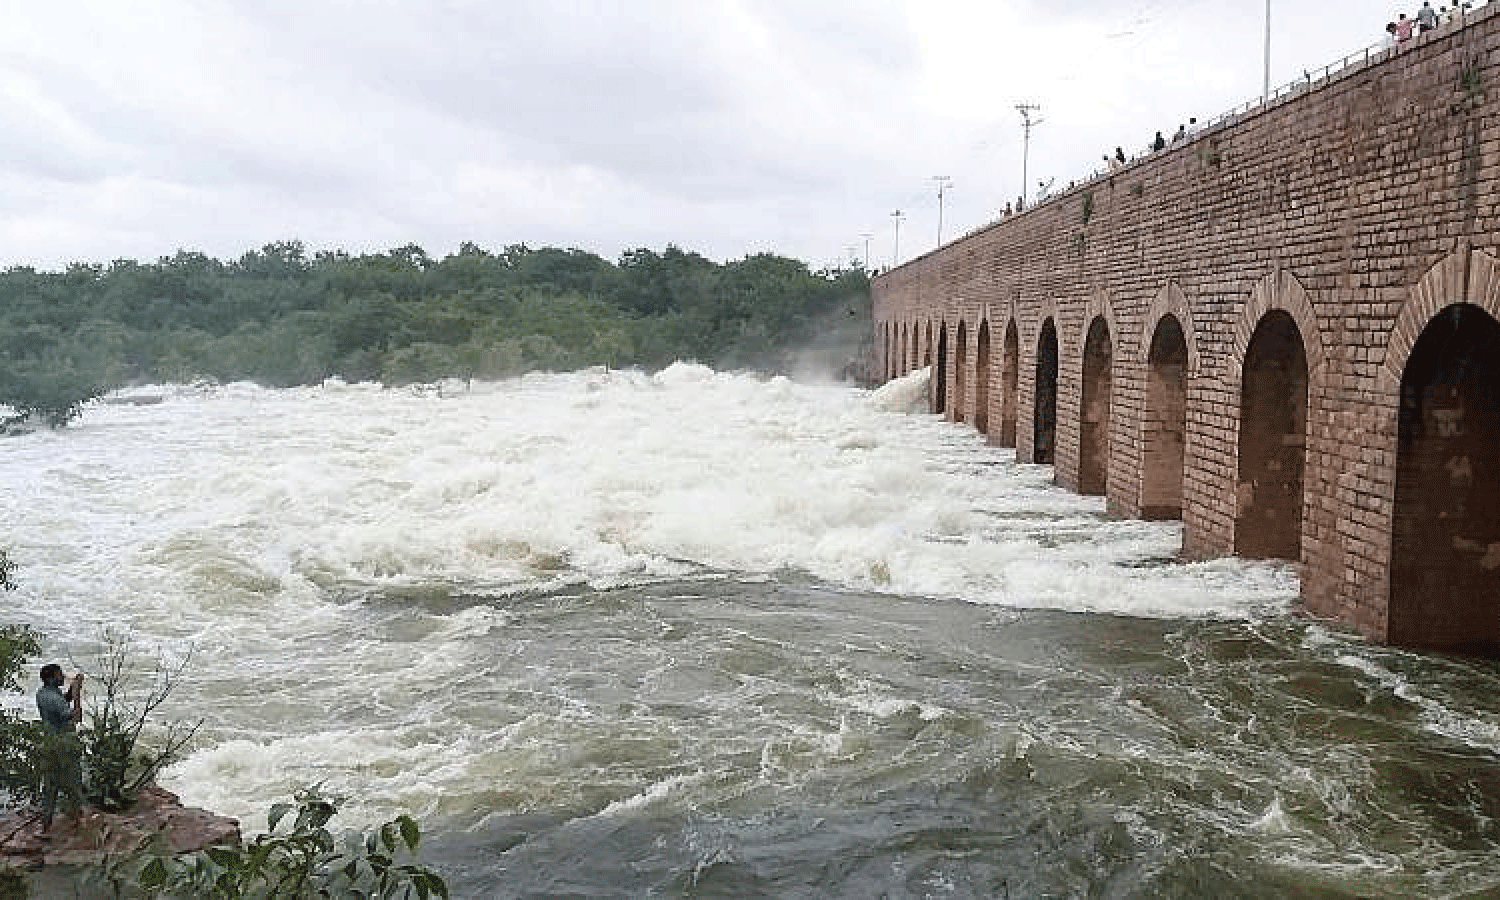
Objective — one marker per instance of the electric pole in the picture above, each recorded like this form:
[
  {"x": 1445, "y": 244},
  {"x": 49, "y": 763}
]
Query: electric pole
[
  {"x": 1026, "y": 109},
  {"x": 896, "y": 248},
  {"x": 943, "y": 183}
]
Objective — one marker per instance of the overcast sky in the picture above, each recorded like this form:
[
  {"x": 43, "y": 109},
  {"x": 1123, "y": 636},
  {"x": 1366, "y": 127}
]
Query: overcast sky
[{"x": 728, "y": 127}]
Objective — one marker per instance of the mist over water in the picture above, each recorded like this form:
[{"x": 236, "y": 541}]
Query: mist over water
[{"x": 702, "y": 635}]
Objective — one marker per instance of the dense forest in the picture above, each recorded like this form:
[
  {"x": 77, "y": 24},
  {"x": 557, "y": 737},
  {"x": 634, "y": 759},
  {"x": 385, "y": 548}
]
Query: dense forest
[{"x": 279, "y": 317}]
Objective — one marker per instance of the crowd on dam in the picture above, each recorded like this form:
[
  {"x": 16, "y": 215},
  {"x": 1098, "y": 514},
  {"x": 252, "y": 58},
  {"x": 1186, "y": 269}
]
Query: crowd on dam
[
  {"x": 1399, "y": 32},
  {"x": 1426, "y": 19}
]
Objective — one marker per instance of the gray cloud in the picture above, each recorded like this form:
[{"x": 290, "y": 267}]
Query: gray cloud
[{"x": 727, "y": 126}]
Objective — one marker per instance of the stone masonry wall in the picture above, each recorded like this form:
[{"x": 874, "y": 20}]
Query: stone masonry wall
[{"x": 1360, "y": 206}]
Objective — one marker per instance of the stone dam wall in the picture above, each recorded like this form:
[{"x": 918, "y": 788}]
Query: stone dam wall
[{"x": 1284, "y": 331}]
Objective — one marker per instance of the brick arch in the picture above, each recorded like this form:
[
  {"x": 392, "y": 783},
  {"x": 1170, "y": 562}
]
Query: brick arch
[
  {"x": 1071, "y": 346},
  {"x": 984, "y": 372},
  {"x": 1100, "y": 305},
  {"x": 1279, "y": 290},
  {"x": 942, "y": 352},
  {"x": 1466, "y": 275},
  {"x": 999, "y": 315},
  {"x": 989, "y": 315},
  {"x": 1029, "y": 331},
  {"x": 1440, "y": 408},
  {"x": 1161, "y": 425},
  {"x": 1170, "y": 301},
  {"x": 958, "y": 397},
  {"x": 1273, "y": 460},
  {"x": 1027, "y": 418},
  {"x": 883, "y": 333},
  {"x": 1005, "y": 367},
  {"x": 1463, "y": 276},
  {"x": 1028, "y": 328},
  {"x": 1047, "y": 309},
  {"x": 1094, "y": 386}
]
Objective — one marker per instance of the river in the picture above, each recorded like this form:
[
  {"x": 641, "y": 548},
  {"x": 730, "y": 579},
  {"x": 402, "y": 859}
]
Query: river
[{"x": 701, "y": 635}]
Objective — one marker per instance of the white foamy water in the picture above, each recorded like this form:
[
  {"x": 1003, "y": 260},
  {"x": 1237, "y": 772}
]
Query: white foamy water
[
  {"x": 245, "y": 495},
  {"x": 255, "y": 527}
]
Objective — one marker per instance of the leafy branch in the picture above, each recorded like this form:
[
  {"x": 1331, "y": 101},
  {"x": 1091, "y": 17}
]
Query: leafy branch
[
  {"x": 305, "y": 861},
  {"x": 117, "y": 721}
]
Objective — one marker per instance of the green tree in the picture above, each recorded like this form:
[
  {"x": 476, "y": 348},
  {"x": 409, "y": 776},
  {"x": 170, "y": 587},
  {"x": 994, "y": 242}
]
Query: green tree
[
  {"x": 18, "y": 643},
  {"x": 281, "y": 318},
  {"x": 51, "y": 386}
]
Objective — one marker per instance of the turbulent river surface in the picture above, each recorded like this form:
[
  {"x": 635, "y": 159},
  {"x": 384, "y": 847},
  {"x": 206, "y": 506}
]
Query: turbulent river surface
[{"x": 609, "y": 634}]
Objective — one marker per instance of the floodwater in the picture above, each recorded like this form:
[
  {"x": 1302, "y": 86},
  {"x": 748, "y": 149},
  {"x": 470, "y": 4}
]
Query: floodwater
[{"x": 608, "y": 634}]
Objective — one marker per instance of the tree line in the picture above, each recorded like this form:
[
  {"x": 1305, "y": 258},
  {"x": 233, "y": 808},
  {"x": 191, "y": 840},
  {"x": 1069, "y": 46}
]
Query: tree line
[{"x": 280, "y": 317}]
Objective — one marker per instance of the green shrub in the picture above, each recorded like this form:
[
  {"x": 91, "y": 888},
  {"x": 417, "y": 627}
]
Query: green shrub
[
  {"x": 307, "y": 860},
  {"x": 125, "y": 695},
  {"x": 18, "y": 738}
]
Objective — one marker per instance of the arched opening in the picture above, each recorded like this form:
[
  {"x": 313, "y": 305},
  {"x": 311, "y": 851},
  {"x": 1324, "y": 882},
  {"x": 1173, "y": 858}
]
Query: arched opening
[
  {"x": 901, "y": 352},
  {"x": 1273, "y": 438},
  {"x": 1165, "y": 425},
  {"x": 940, "y": 374},
  {"x": 1445, "y": 541},
  {"x": 1044, "y": 441},
  {"x": 926, "y": 358},
  {"x": 1093, "y": 436},
  {"x": 982, "y": 379},
  {"x": 960, "y": 363},
  {"x": 1010, "y": 371}
]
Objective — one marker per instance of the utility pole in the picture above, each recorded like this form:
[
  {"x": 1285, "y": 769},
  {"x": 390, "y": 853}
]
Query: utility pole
[
  {"x": 896, "y": 248},
  {"x": 943, "y": 183},
  {"x": 1026, "y": 109},
  {"x": 1265, "y": 87},
  {"x": 867, "y": 235}
]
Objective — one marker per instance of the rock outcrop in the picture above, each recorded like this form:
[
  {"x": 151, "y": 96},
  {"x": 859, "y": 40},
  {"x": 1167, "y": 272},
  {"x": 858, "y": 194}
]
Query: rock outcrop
[{"x": 96, "y": 834}]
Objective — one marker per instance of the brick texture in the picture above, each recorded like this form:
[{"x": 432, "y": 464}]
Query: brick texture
[{"x": 1286, "y": 265}]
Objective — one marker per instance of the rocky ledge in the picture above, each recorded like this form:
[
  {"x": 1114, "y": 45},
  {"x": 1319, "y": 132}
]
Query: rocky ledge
[{"x": 97, "y": 834}]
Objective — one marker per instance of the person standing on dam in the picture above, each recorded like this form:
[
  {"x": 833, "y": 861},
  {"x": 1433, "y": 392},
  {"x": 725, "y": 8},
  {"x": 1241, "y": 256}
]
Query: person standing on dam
[
  {"x": 1426, "y": 18},
  {"x": 1403, "y": 28}
]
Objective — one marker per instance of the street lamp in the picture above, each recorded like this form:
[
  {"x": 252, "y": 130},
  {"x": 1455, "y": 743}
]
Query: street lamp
[
  {"x": 1265, "y": 89},
  {"x": 943, "y": 183},
  {"x": 1026, "y": 109}
]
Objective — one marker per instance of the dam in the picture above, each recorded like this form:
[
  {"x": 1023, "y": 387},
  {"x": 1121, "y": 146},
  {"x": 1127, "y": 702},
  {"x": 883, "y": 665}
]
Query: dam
[{"x": 1283, "y": 331}]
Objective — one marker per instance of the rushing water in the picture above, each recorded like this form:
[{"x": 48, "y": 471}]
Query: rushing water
[{"x": 700, "y": 635}]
